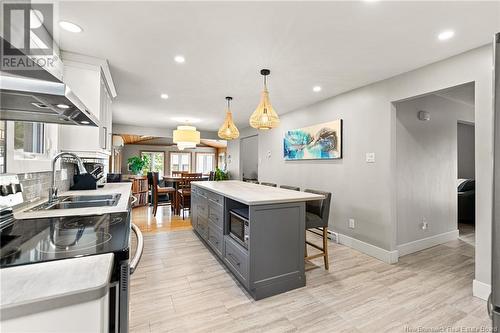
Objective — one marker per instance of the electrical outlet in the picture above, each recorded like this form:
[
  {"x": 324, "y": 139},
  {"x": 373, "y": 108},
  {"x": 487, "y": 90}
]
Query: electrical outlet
[
  {"x": 64, "y": 174},
  {"x": 351, "y": 223},
  {"x": 424, "y": 224},
  {"x": 370, "y": 157}
]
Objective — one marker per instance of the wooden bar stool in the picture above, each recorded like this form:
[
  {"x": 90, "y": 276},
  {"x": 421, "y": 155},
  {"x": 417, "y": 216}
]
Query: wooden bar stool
[{"x": 317, "y": 214}]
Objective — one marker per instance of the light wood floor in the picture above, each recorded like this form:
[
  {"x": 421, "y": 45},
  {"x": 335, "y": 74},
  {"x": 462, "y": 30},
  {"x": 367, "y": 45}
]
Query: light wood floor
[
  {"x": 180, "y": 287},
  {"x": 467, "y": 233},
  {"x": 165, "y": 220}
]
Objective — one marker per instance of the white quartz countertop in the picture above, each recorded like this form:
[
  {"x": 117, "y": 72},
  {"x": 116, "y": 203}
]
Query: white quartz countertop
[
  {"x": 255, "y": 194},
  {"x": 33, "y": 288},
  {"x": 111, "y": 188}
]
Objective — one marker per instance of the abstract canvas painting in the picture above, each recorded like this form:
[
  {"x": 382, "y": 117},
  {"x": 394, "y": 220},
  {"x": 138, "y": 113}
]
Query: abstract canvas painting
[{"x": 323, "y": 141}]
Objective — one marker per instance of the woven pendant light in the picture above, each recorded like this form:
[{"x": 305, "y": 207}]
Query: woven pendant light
[
  {"x": 228, "y": 130},
  {"x": 264, "y": 117}
]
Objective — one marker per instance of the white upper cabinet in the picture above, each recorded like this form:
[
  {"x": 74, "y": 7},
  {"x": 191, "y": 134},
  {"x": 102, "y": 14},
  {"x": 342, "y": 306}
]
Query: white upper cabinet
[{"x": 91, "y": 81}]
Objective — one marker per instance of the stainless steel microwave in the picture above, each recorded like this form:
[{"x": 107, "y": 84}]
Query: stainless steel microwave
[{"x": 239, "y": 228}]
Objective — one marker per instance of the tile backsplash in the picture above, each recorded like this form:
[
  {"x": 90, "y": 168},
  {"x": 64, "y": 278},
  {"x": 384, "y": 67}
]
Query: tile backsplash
[{"x": 36, "y": 185}]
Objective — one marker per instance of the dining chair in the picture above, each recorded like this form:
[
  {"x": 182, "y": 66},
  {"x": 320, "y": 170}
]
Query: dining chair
[
  {"x": 268, "y": 184},
  {"x": 184, "y": 191},
  {"x": 288, "y": 187},
  {"x": 158, "y": 192},
  {"x": 317, "y": 214}
]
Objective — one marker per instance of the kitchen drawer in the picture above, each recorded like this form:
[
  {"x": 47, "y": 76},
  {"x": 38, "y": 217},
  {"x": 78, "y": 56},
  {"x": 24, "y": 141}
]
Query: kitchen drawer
[
  {"x": 236, "y": 259},
  {"x": 202, "y": 207},
  {"x": 215, "y": 214},
  {"x": 216, "y": 198},
  {"x": 215, "y": 238},
  {"x": 202, "y": 227},
  {"x": 200, "y": 191}
]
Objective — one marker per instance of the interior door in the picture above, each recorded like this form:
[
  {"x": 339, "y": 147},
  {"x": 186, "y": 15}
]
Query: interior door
[{"x": 249, "y": 156}]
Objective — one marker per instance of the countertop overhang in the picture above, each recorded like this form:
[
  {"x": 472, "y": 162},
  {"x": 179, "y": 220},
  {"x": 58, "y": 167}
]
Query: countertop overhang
[
  {"x": 255, "y": 194},
  {"x": 122, "y": 188},
  {"x": 28, "y": 289}
]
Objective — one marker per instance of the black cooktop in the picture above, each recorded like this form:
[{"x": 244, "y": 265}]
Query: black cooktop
[{"x": 38, "y": 240}]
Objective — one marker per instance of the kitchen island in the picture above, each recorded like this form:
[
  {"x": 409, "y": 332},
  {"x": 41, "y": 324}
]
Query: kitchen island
[{"x": 257, "y": 231}]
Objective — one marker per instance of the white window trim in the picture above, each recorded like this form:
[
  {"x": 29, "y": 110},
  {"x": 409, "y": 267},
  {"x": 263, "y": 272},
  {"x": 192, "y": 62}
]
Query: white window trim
[
  {"x": 18, "y": 162},
  {"x": 181, "y": 153},
  {"x": 155, "y": 152},
  {"x": 214, "y": 159}
]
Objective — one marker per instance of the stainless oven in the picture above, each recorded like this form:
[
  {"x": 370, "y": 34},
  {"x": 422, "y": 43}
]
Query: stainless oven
[
  {"x": 120, "y": 288},
  {"x": 239, "y": 228}
]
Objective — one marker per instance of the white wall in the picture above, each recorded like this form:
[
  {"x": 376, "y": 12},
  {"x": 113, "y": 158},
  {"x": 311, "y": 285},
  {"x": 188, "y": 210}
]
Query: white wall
[
  {"x": 466, "y": 151},
  {"x": 427, "y": 167},
  {"x": 367, "y": 192},
  {"x": 135, "y": 150}
]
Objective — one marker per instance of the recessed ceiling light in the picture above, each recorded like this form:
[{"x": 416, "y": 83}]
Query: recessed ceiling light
[
  {"x": 179, "y": 59},
  {"x": 316, "y": 88},
  {"x": 164, "y": 96},
  {"x": 69, "y": 26},
  {"x": 62, "y": 106},
  {"x": 84, "y": 122},
  {"x": 447, "y": 34}
]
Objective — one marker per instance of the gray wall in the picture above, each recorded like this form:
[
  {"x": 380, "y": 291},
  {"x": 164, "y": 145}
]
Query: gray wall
[
  {"x": 249, "y": 152},
  {"x": 135, "y": 150},
  {"x": 367, "y": 192},
  {"x": 466, "y": 151},
  {"x": 427, "y": 166}
]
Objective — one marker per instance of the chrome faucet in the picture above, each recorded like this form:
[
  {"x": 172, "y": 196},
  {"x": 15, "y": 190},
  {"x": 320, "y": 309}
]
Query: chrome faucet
[{"x": 53, "y": 188}]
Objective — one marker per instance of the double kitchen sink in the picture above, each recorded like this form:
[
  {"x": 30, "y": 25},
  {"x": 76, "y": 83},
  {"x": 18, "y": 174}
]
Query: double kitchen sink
[{"x": 79, "y": 201}]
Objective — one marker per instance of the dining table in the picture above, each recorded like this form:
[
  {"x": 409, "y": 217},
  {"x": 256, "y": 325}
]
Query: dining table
[{"x": 175, "y": 180}]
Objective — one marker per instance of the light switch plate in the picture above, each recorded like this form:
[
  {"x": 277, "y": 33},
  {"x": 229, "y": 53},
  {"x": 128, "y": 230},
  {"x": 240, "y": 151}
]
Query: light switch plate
[
  {"x": 370, "y": 157},
  {"x": 352, "y": 224}
]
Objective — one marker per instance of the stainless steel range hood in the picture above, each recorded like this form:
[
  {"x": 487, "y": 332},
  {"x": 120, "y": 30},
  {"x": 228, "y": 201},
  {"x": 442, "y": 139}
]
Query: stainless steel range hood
[
  {"x": 29, "y": 99},
  {"x": 35, "y": 94}
]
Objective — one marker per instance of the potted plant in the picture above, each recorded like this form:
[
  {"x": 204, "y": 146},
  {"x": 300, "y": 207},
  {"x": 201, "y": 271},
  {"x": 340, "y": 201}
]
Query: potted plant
[
  {"x": 136, "y": 164},
  {"x": 220, "y": 175}
]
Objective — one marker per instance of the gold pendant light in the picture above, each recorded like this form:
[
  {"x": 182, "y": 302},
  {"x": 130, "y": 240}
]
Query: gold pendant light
[
  {"x": 264, "y": 117},
  {"x": 228, "y": 130}
]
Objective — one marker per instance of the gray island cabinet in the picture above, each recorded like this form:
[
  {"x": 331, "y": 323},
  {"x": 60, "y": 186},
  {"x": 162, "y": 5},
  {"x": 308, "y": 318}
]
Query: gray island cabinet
[{"x": 272, "y": 261}]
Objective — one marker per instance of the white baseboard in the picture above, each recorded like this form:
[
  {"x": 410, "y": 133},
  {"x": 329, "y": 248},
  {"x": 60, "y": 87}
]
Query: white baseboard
[
  {"x": 390, "y": 257},
  {"x": 426, "y": 243},
  {"x": 333, "y": 236},
  {"x": 480, "y": 289}
]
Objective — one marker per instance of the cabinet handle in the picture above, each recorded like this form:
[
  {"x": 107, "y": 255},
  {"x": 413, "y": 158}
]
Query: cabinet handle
[
  {"x": 234, "y": 258},
  {"x": 216, "y": 241}
]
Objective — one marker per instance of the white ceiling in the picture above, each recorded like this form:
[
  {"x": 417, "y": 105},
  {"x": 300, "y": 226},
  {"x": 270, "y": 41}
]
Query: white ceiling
[{"x": 337, "y": 45}]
